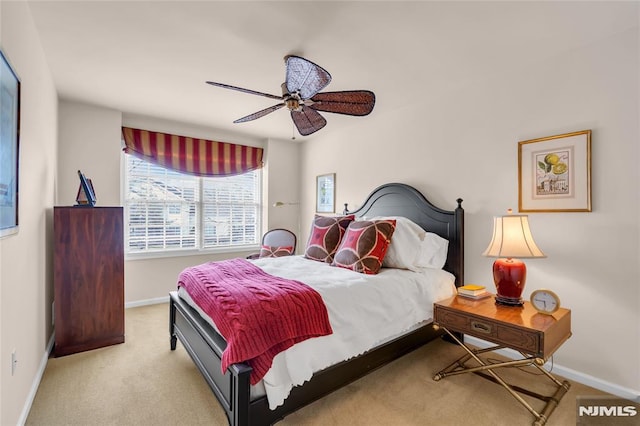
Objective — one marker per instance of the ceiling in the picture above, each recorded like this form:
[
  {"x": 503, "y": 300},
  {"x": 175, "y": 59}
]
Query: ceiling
[{"x": 152, "y": 58}]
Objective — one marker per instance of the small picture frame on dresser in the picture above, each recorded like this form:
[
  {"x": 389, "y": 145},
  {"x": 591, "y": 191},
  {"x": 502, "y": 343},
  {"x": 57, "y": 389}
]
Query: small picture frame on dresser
[{"x": 86, "y": 196}]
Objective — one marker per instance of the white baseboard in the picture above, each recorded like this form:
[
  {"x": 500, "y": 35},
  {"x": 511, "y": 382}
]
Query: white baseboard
[
  {"x": 145, "y": 302},
  {"x": 36, "y": 382},
  {"x": 577, "y": 376}
]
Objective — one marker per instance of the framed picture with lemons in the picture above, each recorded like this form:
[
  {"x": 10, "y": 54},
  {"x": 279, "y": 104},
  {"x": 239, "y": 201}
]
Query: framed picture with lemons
[{"x": 554, "y": 173}]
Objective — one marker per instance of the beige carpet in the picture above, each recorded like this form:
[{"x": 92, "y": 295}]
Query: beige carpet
[{"x": 143, "y": 382}]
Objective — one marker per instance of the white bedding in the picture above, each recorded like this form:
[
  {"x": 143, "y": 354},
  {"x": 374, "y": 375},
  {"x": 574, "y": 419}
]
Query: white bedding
[{"x": 364, "y": 311}]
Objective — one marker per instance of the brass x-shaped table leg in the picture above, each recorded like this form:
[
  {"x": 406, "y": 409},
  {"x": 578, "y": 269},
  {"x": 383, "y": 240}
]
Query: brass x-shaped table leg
[{"x": 487, "y": 371}]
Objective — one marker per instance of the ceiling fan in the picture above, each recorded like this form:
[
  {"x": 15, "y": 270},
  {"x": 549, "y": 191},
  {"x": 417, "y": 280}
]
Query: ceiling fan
[{"x": 301, "y": 95}]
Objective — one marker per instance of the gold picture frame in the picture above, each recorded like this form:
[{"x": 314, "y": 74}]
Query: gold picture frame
[
  {"x": 554, "y": 173},
  {"x": 326, "y": 193}
]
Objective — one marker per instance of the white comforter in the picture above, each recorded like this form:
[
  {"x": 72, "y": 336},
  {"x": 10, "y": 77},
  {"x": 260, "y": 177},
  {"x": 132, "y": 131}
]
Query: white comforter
[{"x": 364, "y": 311}]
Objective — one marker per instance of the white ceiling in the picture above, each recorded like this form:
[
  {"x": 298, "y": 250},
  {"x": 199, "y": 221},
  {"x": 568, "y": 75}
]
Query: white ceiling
[{"x": 153, "y": 58}]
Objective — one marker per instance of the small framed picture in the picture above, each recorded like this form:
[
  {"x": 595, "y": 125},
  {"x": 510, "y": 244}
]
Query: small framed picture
[
  {"x": 326, "y": 193},
  {"x": 554, "y": 173},
  {"x": 86, "y": 195}
]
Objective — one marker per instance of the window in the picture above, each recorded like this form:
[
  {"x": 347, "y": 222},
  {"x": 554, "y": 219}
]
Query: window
[{"x": 168, "y": 211}]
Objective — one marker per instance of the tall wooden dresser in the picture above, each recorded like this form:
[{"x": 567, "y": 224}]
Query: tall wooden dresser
[{"x": 88, "y": 278}]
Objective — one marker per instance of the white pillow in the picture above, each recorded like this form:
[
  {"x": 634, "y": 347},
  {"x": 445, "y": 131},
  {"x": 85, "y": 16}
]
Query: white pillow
[
  {"x": 412, "y": 247},
  {"x": 433, "y": 252}
]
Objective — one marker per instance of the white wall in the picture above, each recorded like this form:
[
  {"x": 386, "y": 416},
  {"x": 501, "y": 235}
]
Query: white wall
[
  {"x": 90, "y": 142},
  {"x": 281, "y": 177},
  {"x": 25, "y": 258},
  {"x": 465, "y": 145}
]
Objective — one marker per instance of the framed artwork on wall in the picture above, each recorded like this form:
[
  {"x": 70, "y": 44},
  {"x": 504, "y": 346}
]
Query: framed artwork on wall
[
  {"x": 9, "y": 147},
  {"x": 554, "y": 173},
  {"x": 326, "y": 193}
]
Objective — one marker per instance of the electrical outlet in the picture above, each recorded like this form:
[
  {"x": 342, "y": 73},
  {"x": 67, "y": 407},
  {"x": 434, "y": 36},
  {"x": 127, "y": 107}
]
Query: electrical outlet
[{"x": 14, "y": 362}]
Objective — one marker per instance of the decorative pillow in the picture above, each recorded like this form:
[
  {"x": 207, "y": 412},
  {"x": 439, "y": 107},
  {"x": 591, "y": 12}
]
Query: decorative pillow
[
  {"x": 326, "y": 234},
  {"x": 364, "y": 245},
  {"x": 268, "y": 251}
]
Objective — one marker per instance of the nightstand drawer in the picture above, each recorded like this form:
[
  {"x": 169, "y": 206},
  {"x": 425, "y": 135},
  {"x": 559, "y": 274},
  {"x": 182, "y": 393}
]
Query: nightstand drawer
[
  {"x": 526, "y": 340},
  {"x": 465, "y": 324}
]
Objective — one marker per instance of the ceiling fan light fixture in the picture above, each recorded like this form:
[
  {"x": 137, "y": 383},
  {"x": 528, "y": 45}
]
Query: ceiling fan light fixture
[{"x": 293, "y": 104}]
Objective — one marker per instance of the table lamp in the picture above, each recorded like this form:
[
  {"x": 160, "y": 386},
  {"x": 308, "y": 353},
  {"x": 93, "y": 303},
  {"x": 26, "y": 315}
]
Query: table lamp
[{"x": 511, "y": 239}]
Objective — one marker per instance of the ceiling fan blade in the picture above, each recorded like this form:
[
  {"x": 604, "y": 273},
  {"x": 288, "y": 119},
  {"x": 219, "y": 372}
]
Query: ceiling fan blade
[
  {"x": 240, "y": 89},
  {"x": 356, "y": 102},
  {"x": 308, "y": 120},
  {"x": 305, "y": 77},
  {"x": 259, "y": 113}
]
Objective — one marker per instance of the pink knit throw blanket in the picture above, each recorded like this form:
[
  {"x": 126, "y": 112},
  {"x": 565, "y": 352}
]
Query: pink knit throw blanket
[{"x": 258, "y": 314}]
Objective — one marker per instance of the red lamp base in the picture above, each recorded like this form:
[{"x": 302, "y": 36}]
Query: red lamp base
[{"x": 509, "y": 275}]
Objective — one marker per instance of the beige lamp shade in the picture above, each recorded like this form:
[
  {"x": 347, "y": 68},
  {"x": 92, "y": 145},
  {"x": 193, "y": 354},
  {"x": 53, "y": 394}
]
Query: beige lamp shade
[{"x": 512, "y": 238}]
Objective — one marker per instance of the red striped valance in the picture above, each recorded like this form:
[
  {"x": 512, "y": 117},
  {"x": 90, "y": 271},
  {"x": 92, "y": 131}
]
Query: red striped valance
[{"x": 199, "y": 157}]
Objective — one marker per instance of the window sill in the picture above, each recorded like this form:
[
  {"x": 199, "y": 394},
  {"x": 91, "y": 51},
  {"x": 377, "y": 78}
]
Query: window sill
[{"x": 243, "y": 250}]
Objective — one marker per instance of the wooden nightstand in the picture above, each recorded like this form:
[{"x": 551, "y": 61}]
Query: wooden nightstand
[{"x": 535, "y": 336}]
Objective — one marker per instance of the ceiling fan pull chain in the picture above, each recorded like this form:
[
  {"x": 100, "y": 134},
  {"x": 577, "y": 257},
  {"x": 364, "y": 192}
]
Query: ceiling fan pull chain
[{"x": 293, "y": 132}]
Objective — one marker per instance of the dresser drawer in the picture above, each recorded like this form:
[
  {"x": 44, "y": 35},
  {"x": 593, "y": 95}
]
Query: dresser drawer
[{"x": 525, "y": 340}]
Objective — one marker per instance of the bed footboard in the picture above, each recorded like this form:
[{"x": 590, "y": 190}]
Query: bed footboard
[
  {"x": 232, "y": 389},
  {"x": 205, "y": 347}
]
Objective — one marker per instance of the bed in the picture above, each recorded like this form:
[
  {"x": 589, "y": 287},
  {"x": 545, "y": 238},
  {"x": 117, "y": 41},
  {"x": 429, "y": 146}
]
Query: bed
[{"x": 233, "y": 390}]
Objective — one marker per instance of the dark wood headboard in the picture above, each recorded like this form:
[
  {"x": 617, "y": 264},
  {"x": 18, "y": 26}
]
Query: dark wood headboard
[{"x": 398, "y": 199}]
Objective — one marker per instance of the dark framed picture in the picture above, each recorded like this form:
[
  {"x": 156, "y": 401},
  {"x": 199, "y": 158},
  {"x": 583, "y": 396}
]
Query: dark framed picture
[
  {"x": 554, "y": 173},
  {"x": 86, "y": 195},
  {"x": 326, "y": 193},
  {"x": 9, "y": 147}
]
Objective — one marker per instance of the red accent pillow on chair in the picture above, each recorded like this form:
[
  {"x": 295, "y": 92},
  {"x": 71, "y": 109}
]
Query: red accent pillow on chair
[
  {"x": 268, "y": 251},
  {"x": 364, "y": 245},
  {"x": 326, "y": 234}
]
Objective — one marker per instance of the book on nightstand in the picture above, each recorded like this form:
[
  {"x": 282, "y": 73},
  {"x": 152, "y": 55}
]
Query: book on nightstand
[
  {"x": 473, "y": 291},
  {"x": 476, "y": 297}
]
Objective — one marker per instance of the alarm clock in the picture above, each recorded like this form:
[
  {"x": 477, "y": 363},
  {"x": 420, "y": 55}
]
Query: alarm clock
[{"x": 545, "y": 301}]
